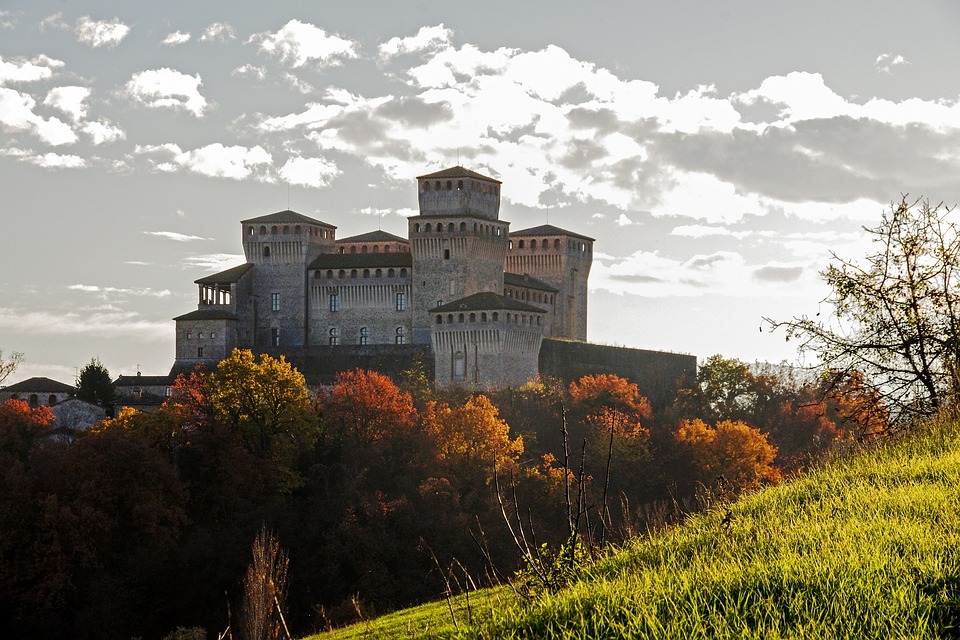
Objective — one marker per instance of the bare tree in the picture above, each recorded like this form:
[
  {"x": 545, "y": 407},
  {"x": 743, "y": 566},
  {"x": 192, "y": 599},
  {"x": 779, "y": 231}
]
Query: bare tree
[
  {"x": 265, "y": 591},
  {"x": 896, "y": 313},
  {"x": 9, "y": 365}
]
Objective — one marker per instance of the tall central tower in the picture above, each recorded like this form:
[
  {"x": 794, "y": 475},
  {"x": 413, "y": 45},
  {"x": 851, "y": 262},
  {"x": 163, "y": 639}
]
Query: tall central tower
[{"x": 458, "y": 242}]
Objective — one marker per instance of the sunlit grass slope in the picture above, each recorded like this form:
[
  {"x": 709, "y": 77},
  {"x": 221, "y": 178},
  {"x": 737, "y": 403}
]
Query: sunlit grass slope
[{"x": 866, "y": 547}]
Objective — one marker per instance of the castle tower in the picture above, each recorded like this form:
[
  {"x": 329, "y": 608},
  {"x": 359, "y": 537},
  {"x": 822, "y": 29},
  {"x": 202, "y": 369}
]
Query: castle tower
[
  {"x": 458, "y": 242},
  {"x": 280, "y": 246},
  {"x": 561, "y": 259}
]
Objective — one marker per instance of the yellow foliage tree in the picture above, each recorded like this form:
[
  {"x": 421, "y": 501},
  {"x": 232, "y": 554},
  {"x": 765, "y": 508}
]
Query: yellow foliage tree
[
  {"x": 732, "y": 450},
  {"x": 472, "y": 434}
]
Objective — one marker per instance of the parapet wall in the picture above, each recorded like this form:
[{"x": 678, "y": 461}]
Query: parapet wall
[
  {"x": 321, "y": 364},
  {"x": 655, "y": 372}
]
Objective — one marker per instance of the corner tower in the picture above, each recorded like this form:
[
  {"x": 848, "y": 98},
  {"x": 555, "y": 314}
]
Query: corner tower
[
  {"x": 458, "y": 242},
  {"x": 561, "y": 259}
]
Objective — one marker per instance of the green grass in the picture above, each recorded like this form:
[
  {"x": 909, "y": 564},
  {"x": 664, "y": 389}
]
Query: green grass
[{"x": 866, "y": 547}]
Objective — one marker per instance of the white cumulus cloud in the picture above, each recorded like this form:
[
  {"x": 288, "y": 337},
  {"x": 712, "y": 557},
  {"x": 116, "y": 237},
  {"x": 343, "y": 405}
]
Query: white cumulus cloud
[
  {"x": 311, "y": 172},
  {"x": 214, "y": 160},
  {"x": 173, "y": 235},
  {"x": 298, "y": 43},
  {"x": 58, "y": 161},
  {"x": 69, "y": 100},
  {"x": 100, "y": 33},
  {"x": 887, "y": 61},
  {"x": 103, "y": 132},
  {"x": 428, "y": 38},
  {"x": 22, "y": 70},
  {"x": 177, "y": 37},
  {"x": 16, "y": 113},
  {"x": 167, "y": 88},
  {"x": 218, "y": 32}
]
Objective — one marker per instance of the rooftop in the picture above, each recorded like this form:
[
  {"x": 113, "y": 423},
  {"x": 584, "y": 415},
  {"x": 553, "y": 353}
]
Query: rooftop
[
  {"x": 457, "y": 172},
  {"x": 374, "y": 236},
  {"x": 486, "y": 301},
  {"x": 287, "y": 216},
  {"x": 43, "y": 385},
  {"x": 208, "y": 314},
  {"x": 360, "y": 260},
  {"x": 226, "y": 277},
  {"x": 528, "y": 281},
  {"x": 549, "y": 230}
]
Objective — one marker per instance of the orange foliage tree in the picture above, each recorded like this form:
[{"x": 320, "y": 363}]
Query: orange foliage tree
[
  {"x": 367, "y": 406},
  {"x": 608, "y": 403},
  {"x": 732, "y": 450},
  {"x": 472, "y": 434}
]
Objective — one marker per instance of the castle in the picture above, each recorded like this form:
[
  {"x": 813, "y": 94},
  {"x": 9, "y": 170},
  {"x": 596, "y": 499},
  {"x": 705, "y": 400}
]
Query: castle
[{"x": 461, "y": 290}]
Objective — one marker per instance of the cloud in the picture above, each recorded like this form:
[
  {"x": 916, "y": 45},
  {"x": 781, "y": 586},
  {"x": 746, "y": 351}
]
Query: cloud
[
  {"x": 6, "y": 22},
  {"x": 311, "y": 172},
  {"x": 16, "y": 113},
  {"x": 23, "y": 70},
  {"x": 214, "y": 160},
  {"x": 250, "y": 70},
  {"x": 57, "y": 161},
  {"x": 427, "y": 39},
  {"x": 167, "y": 88},
  {"x": 177, "y": 37},
  {"x": 213, "y": 261},
  {"x": 885, "y": 62},
  {"x": 70, "y": 322},
  {"x": 298, "y": 43},
  {"x": 108, "y": 291},
  {"x": 69, "y": 100},
  {"x": 100, "y": 33},
  {"x": 103, "y": 132},
  {"x": 218, "y": 32},
  {"x": 177, "y": 237},
  {"x": 704, "y": 231},
  {"x": 54, "y": 21}
]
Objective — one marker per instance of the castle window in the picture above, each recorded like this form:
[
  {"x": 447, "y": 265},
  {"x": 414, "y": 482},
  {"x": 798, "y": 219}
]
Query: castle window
[
  {"x": 459, "y": 366},
  {"x": 449, "y": 185},
  {"x": 459, "y": 185},
  {"x": 52, "y": 399},
  {"x": 249, "y": 231},
  {"x": 473, "y": 317},
  {"x": 378, "y": 273},
  {"x": 266, "y": 252},
  {"x": 189, "y": 335},
  {"x": 366, "y": 273},
  {"x": 213, "y": 334},
  {"x": 341, "y": 250},
  {"x": 199, "y": 352},
  {"x": 460, "y": 318},
  {"x": 34, "y": 400},
  {"x": 274, "y": 302},
  {"x": 200, "y": 335},
  {"x": 286, "y": 229},
  {"x": 296, "y": 229},
  {"x": 273, "y": 230},
  {"x": 437, "y": 185},
  {"x": 376, "y": 248},
  {"x": 386, "y": 248},
  {"x": 556, "y": 243},
  {"x": 450, "y": 227},
  {"x": 263, "y": 230},
  {"x": 391, "y": 273},
  {"x": 363, "y": 249},
  {"x": 401, "y": 336},
  {"x": 511, "y": 244},
  {"x": 416, "y": 227},
  {"x": 474, "y": 227},
  {"x": 334, "y": 302},
  {"x": 446, "y": 254},
  {"x": 353, "y": 249},
  {"x": 353, "y": 273},
  {"x": 453, "y": 288},
  {"x": 401, "y": 301},
  {"x": 428, "y": 228},
  {"x": 275, "y": 336},
  {"x": 463, "y": 226},
  {"x": 539, "y": 319},
  {"x": 364, "y": 334},
  {"x": 403, "y": 273},
  {"x": 334, "y": 337},
  {"x": 426, "y": 186},
  {"x": 533, "y": 244},
  {"x": 329, "y": 274},
  {"x": 439, "y": 319},
  {"x": 341, "y": 274},
  {"x": 521, "y": 244},
  {"x": 483, "y": 317}
]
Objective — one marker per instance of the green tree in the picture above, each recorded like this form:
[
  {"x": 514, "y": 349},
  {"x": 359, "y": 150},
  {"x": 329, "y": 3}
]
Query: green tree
[
  {"x": 94, "y": 384},
  {"x": 896, "y": 313},
  {"x": 9, "y": 365}
]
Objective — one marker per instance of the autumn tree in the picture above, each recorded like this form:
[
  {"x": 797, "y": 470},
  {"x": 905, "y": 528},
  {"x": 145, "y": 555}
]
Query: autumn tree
[
  {"x": 94, "y": 384},
  {"x": 10, "y": 364},
  {"x": 610, "y": 404},
  {"x": 367, "y": 406},
  {"x": 472, "y": 434},
  {"x": 896, "y": 313},
  {"x": 732, "y": 450}
]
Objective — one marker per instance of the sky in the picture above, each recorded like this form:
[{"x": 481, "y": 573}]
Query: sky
[{"x": 719, "y": 152}]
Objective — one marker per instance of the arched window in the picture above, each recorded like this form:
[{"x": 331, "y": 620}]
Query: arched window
[
  {"x": 521, "y": 244},
  {"x": 249, "y": 231},
  {"x": 363, "y": 249},
  {"x": 450, "y": 227},
  {"x": 353, "y": 249},
  {"x": 334, "y": 337},
  {"x": 449, "y": 185},
  {"x": 439, "y": 319},
  {"x": 341, "y": 250},
  {"x": 34, "y": 401},
  {"x": 52, "y": 400},
  {"x": 428, "y": 228},
  {"x": 473, "y": 317},
  {"x": 273, "y": 230},
  {"x": 297, "y": 230},
  {"x": 483, "y": 317},
  {"x": 533, "y": 244},
  {"x": 353, "y": 273},
  {"x": 341, "y": 274},
  {"x": 460, "y": 318},
  {"x": 426, "y": 185},
  {"x": 556, "y": 243},
  {"x": 437, "y": 185},
  {"x": 403, "y": 273},
  {"x": 329, "y": 274},
  {"x": 378, "y": 273},
  {"x": 386, "y": 248},
  {"x": 366, "y": 273},
  {"x": 376, "y": 248},
  {"x": 463, "y": 226},
  {"x": 416, "y": 227},
  {"x": 266, "y": 252},
  {"x": 364, "y": 334},
  {"x": 449, "y": 318},
  {"x": 286, "y": 229},
  {"x": 391, "y": 273},
  {"x": 263, "y": 230},
  {"x": 459, "y": 185},
  {"x": 401, "y": 336}
]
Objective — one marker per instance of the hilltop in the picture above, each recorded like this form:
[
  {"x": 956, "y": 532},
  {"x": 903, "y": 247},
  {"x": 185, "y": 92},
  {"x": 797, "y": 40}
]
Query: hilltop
[{"x": 866, "y": 545}]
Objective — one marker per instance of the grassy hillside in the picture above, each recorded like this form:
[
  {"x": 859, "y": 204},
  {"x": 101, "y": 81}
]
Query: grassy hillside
[{"x": 866, "y": 547}]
